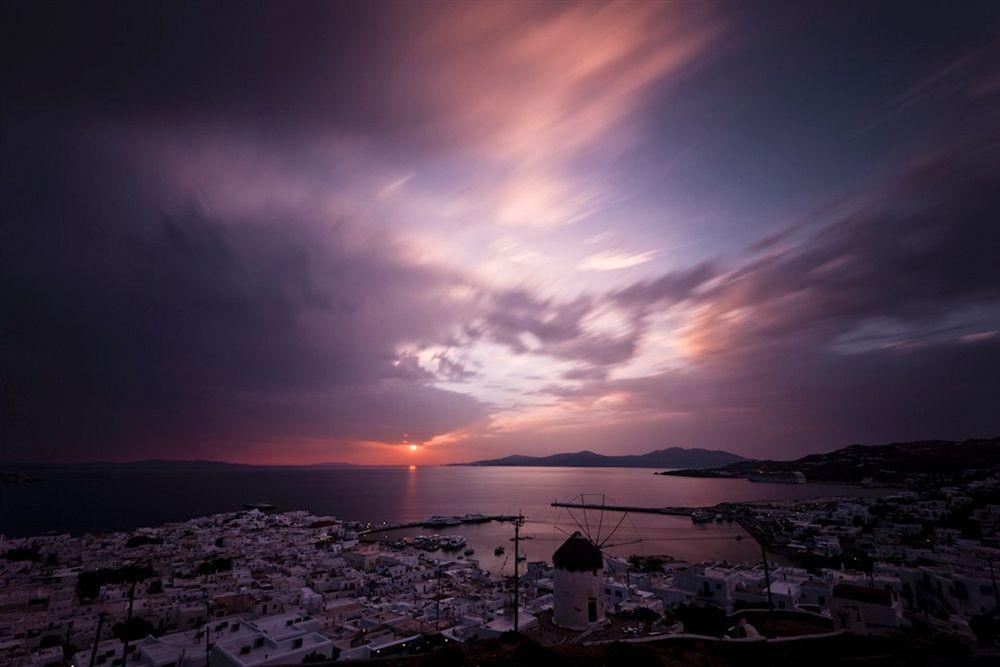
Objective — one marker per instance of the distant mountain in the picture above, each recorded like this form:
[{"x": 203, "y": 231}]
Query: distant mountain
[
  {"x": 145, "y": 464},
  {"x": 173, "y": 465},
  {"x": 894, "y": 463},
  {"x": 331, "y": 464},
  {"x": 672, "y": 457}
]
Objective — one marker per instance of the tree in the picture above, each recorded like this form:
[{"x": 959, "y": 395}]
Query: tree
[
  {"x": 316, "y": 656},
  {"x": 141, "y": 540},
  {"x": 643, "y": 615},
  {"x": 986, "y": 628},
  {"x": 30, "y": 553},
  {"x": 133, "y": 630},
  {"x": 215, "y": 565},
  {"x": 702, "y": 620},
  {"x": 89, "y": 583}
]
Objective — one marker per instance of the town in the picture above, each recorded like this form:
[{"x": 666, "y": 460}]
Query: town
[
  {"x": 258, "y": 587},
  {"x": 261, "y": 587}
]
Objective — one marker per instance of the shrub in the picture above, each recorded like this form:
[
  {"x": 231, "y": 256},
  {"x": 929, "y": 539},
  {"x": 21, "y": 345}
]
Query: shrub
[{"x": 702, "y": 620}]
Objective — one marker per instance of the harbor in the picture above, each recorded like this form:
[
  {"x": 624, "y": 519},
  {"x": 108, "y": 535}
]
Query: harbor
[{"x": 436, "y": 521}]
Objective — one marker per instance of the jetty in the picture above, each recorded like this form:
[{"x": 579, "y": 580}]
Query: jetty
[
  {"x": 386, "y": 527},
  {"x": 673, "y": 511},
  {"x": 729, "y": 511}
]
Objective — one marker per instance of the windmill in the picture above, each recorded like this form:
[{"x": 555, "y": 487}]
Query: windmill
[
  {"x": 578, "y": 578},
  {"x": 593, "y": 528}
]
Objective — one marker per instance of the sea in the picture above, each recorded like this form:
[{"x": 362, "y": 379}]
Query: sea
[{"x": 100, "y": 500}]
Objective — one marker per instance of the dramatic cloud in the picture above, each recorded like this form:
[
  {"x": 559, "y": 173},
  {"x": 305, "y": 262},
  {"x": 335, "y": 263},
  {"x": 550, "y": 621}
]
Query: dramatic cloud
[
  {"x": 316, "y": 231},
  {"x": 841, "y": 336},
  {"x": 133, "y": 331}
]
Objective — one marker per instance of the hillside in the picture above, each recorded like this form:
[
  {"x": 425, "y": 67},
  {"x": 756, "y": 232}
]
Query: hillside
[
  {"x": 672, "y": 457},
  {"x": 893, "y": 463}
]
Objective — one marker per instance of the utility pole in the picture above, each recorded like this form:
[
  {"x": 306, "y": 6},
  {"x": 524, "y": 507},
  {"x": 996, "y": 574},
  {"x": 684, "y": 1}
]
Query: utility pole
[
  {"x": 437, "y": 600},
  {"x": 128, "y": 624},
  {"x": 208, "y": 646},
  {"x": 69, "y": 631},
  {"x": 767, "y": 576},
  {"x": 993, "y": 578},
  {"x": 97, "y": 638},
  {"x": 518, "y": 522}
]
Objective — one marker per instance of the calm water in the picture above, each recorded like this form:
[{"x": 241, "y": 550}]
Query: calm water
[{"x": 102, "y": 501}]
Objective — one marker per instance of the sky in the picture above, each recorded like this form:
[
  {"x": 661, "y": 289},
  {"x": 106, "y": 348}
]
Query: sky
[{"x": 397, "y": 233}]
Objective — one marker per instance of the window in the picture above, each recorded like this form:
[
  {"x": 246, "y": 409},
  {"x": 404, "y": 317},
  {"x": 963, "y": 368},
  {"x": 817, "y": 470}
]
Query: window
[
  {"x": 297, "y": 643},
  {"x": 960, "y": 591}
]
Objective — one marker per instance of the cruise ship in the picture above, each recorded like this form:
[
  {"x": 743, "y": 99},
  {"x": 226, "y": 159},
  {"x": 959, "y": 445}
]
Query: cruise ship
[
  {"x": 438, "y": 520},
  {"x": 778, "y": 477}
]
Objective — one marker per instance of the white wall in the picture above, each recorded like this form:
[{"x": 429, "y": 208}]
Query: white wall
[{"x": 572, "y": 592}]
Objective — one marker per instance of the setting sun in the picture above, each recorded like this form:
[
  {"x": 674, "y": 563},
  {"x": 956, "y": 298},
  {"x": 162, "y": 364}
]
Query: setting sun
[{"x": 413, "y": 448}]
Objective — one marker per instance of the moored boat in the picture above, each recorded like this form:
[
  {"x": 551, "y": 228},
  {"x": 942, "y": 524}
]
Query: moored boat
[
  {"x": 795, "y": 477},
  {"x": 438, "y": 520}
]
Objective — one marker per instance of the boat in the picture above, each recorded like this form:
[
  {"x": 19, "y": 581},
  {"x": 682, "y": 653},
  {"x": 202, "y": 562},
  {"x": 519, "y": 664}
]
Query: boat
[
  {"x": 498, "y": 551},
  {"x": 701, "y": 517},
  {"x": 794, "y": 477},
  {"x": 451, "y": 542},
  {"x": 262, "y": 507},
  {"x": 475, "y": 518},
  {"x": 438, "y": 520}
]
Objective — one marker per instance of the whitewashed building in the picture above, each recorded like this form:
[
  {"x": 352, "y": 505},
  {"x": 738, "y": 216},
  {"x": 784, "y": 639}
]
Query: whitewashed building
[{"x": 578, "y": 583}]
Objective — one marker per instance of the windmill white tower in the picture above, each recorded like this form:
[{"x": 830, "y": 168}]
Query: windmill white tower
[
  {"x": 578, "y": 580},
  {"x": 578, "y": 583}
]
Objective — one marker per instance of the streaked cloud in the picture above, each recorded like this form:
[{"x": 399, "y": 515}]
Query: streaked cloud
[
  {"x": 481, "y": 227},
  {"x": 613, "y": 260}
]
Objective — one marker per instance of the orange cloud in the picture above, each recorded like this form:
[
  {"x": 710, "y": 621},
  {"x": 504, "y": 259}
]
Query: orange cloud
[{"x": 534, "y": 88}]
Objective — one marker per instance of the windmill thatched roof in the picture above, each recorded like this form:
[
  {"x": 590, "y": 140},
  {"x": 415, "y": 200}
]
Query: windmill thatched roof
[{"x": 578, "y": 554}]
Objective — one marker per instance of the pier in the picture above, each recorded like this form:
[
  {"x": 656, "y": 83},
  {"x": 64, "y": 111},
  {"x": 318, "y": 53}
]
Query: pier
[
  {"x": 423, "y": 523},
  {"x": 728, "y": 510},
  {"x": 673, "y": 511}
]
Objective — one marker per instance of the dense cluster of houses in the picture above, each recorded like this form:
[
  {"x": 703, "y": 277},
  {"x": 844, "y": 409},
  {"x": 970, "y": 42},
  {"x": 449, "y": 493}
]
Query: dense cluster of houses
[{"x": 255, "y": 588}]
